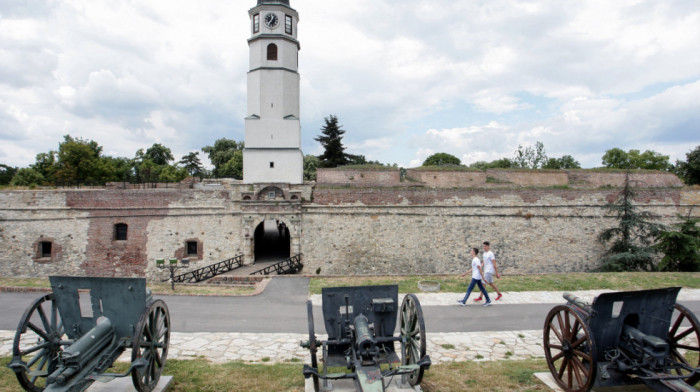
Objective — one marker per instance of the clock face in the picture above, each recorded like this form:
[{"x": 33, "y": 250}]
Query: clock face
[{"x": 271, "y": 20}]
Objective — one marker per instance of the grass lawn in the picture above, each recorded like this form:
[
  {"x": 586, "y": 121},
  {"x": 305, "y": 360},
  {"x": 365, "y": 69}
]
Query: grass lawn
[
  {"x": 551, "y": 282},
  {"x": 201, "y": 375},
  {"x": 156, "y": 288}
]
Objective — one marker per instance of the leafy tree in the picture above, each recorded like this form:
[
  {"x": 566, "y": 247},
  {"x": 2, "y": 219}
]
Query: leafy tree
[
  {"x": 530, "y": 157},
  {"x": 631, "y": 247},
  {"x": 221, "y": 153},
  {"x": 46, "y": 163},
  {"x": 6, "y": 174},
  {"x": 503, "y": 163},
  {"x": 332, "y": 141},
  {"x": 192, "y": 164},
  {"x": 27, "y": 177},
  {"x": 234, "y": 166},
  {"x": 565, "y": 162},
  {"x": 681, "y": 248},
  {"x": 689, "y": 170},
  {"x": 311, "y": 163},
  {"x": 648, "y": 160},
  {"x": 441, "y": 159},
  {"x": 79, "y": 160},
  {"x": 159, "y": 154},
  {"x": 122, "y": 169}
]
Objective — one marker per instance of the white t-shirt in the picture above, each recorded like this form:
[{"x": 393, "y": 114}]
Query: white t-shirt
[
  {"x": 488, "y": 262},
  {"x": 476, "y": 263}
]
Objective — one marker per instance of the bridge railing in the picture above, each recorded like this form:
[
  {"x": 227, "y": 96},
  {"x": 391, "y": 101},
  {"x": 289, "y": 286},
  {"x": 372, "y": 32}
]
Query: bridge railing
[
  {"x": 291, "y": 265},
  {"x": 209, "y": 271}
]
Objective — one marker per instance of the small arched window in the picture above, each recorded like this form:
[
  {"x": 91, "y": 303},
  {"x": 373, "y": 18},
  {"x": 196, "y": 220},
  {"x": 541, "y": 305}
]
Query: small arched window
[
  {"x": 120, "y": 231},
  {"x": 272, "y": 52}
]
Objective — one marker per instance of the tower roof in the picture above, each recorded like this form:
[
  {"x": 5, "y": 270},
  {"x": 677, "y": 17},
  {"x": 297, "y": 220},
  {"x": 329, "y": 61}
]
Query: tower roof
[{"x": 285, "y": 2}]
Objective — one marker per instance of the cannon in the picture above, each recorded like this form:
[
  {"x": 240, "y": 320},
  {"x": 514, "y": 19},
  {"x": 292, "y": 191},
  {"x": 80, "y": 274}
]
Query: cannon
[
  {"x": 623, "y": 338},
  {"x": 360, "y": 323},
  {"x": 68, "y": 339}
]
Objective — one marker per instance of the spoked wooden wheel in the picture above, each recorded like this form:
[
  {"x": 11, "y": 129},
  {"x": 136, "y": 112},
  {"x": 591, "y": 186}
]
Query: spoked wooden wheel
[
  {"x": 569, "y": 349},
  {"x": 38, "y": 343},
  {"x": 413, "y": 332},
  {"x": 150, "y": 343},
  {"x": 312, "y": 342},
  {"x": 684, "y": 338}
]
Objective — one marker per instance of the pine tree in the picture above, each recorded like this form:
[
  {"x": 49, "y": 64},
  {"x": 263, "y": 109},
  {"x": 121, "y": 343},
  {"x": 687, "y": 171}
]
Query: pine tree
[
  {"x": 631, "y": 247},
  {"x": 332, "y": 141},
  {"x": 681, "y": 248}
]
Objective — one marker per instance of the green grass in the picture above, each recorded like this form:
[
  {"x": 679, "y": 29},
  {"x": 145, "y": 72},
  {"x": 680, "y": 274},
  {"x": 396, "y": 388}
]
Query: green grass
[{"x": 514, "y": 283}]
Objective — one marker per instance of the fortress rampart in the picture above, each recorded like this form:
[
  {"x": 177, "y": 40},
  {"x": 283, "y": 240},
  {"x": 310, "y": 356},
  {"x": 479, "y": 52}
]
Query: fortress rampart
[{"x": 340, "y": 224}]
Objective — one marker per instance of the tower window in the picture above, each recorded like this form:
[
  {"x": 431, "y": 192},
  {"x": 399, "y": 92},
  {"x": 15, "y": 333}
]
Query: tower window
[
  {"x": 272, "y": 52},
  {"x": 192, "y": 248},
  {"x": 120, "y": 231},
  {"x": 256, "y": 23},
  {"x": 288, "y": 24},
  {"x": 45, "y": 248},
  {"x": 272, "y": 165}
]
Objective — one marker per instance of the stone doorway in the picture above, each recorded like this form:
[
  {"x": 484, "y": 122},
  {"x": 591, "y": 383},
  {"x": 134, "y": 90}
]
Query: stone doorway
[{"x": 271, "y": 241}]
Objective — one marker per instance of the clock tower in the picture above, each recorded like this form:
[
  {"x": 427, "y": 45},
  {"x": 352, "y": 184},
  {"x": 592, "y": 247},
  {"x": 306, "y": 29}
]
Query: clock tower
[{"x": 272, "y": 151}]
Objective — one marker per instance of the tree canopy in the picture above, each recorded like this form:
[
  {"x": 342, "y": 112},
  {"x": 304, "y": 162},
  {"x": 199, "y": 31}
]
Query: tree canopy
[
  {"x": 227, "y": 157},
  {"x": 442, "y": 159},
  {"x": 689, "y": 170},
  {"x": 331, "y": 139},
  {"x": 648, "y": 160}
]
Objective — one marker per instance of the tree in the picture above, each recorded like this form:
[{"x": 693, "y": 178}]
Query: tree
[
  {"x": 565, "y": 162},
  {"x": 311, "y": 163},
  {"x": 6, "y": 174},
  {"x": 79, "y": 160},
  {"x": 46, "y": 163},
  {"x": 648, "y": 160},
  {"x": 442, "y": 159},
  {"x": 530, "y": 157},
  {"x": 192, "y": 164},
  {"x": 689, "y": 170},
  {"x": 631, "y": 240},
  {"x": 234, "y": 166},
  {"x": 221, "y": 153},
  {"x": 681, "y": 248},
  {"x": 159, "y": 154},
  {"x": 27, "y": 177},
  {"x": 332, "y": 141}
]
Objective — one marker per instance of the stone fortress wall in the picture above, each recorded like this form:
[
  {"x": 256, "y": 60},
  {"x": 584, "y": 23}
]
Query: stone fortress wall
[{"x": 348, "y": 222}]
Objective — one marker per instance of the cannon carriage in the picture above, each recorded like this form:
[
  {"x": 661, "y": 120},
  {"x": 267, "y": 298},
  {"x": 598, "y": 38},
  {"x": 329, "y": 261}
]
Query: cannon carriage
[
  {"x": 360, "y": 323},
  {"x": 68, "y": 339},
  {"x": 623, "y": 338}
]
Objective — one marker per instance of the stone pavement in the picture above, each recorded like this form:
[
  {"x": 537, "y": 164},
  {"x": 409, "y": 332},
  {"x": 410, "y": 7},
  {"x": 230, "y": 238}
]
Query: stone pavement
[{"x": 442, "y": 347}]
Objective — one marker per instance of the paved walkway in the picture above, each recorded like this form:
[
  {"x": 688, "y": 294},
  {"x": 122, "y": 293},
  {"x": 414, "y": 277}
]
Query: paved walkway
[{"x": 442, "y": 347}]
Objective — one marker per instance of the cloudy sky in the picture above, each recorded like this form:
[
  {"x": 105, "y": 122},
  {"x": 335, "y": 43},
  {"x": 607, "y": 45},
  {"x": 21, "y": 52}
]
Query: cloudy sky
[{"x": 474, "y": 78}]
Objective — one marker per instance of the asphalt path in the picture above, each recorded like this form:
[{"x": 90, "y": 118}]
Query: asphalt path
[{"x": 282, "y": 308}]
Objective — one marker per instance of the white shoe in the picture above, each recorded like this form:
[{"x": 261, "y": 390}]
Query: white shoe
[{"x": 487, "y": 303}]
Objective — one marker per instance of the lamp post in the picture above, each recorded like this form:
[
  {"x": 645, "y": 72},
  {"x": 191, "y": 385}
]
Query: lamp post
[{"x": 173, "y": 266}]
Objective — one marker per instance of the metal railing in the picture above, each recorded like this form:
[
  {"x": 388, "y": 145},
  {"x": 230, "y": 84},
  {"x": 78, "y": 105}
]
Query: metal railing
[
  {"x": 291, "y": 265},
  {"x": 209, "y": 271}
]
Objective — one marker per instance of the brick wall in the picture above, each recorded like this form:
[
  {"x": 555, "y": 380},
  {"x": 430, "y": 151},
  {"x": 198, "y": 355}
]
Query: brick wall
[
  {"x": 596, "y": 179},
  {"x": 527, "y": 177},
  {"x": 361, "y": 177},
  {"x": 447, "y": 179}
]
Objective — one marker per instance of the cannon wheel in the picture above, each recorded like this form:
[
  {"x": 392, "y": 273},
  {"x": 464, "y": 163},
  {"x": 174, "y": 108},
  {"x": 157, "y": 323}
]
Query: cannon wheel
[
  {"x": 569, "y": 349},
  {"x": 312, "y": 342},
  {"x": 413, "y": 332},
  {"x": 38, "y": 342},
  {"x": 151, "y": 344},
  {"x": 677, "y": 333}
]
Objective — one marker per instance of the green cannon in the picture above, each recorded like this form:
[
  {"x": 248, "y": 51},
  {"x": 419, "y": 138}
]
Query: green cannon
[
  {"x": 360, "y": 323},
  {"x": 68, "y": 339}
]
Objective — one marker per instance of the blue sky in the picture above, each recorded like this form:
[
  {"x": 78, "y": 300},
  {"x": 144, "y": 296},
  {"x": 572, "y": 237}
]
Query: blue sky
[{"x": 407, "y": 79}]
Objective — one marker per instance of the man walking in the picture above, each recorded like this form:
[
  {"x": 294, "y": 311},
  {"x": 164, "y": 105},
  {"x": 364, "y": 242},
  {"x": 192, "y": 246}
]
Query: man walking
[
  {"x": 477, "y": 273},
  {"x": 490, "y": 269}
]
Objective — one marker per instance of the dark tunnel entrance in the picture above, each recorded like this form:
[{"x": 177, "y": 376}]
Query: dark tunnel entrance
[{"x": 272, "y": 241}]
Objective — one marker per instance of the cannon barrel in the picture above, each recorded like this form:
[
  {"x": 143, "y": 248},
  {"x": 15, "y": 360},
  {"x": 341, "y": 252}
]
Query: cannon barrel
[
  {"x": 76, "y": 356},
  {"x": 575, "y": 300},
  {"x": 363, "y": 337}
]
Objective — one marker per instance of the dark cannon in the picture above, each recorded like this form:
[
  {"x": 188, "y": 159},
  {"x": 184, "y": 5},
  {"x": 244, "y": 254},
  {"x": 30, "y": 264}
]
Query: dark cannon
[
  {"x": 360, "y": 323},
  {"x": 68, "y": 339},
  {"x": 623, "y": 338}
]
